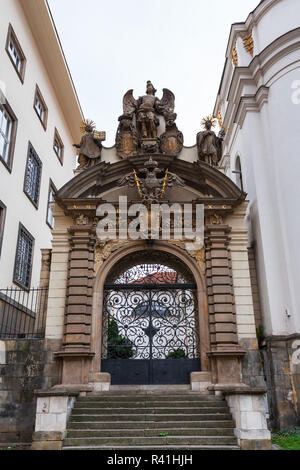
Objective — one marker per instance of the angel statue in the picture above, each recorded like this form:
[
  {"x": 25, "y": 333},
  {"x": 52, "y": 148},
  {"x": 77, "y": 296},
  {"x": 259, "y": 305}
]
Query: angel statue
[
  {"x": 146, "y": 109},
  {"x": 208, "y": 144},
  {"x": 151, "y": 182},
  {"x": 90, "y": 146}
]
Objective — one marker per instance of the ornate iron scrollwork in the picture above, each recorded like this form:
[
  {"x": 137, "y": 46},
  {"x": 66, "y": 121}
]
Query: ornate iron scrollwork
[{"x": 151, "y": 308}]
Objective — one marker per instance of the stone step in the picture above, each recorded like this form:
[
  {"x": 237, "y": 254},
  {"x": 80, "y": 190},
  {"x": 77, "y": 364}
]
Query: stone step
[
  {"x": 128, "y": 420},
  {"x": 148, "y": 411},
  {"x": 148, "y": 404},
  {"x": 88, "y": 425},
  {"x": 155, "y": 447},
  {"x": 153, "y": 397},
  {"x": 150, "y": 389},
  {"x": 124, "y": 432},
  {"x": 151, "y": 417},
  {"x": 151, "y": 441}
]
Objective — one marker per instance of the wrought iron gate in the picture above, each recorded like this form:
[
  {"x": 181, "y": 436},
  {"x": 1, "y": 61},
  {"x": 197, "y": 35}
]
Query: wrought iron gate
[{"x": 150, "y": 331}]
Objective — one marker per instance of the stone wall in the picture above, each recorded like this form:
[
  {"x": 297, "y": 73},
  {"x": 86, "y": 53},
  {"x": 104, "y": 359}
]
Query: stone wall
[
  {"x": 25, "y": 366},
  {"x": 282, "y": 372}
]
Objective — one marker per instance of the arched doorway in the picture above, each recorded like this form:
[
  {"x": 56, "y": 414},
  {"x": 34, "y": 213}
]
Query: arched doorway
[{"x": 150, "y": 327}]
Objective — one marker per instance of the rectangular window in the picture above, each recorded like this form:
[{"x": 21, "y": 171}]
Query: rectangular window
[
  {"x": 50, "y": 218},
  {"x": 15, "y": 53},
  {"x": 2, "y": 222},
  {"x": 24, "y": 257},
  {"x": 33, "y": 175},
  {"x": 58, "y": 146},
  {"x": 8, "y": 125},
  {"x": 40, "y": 107}
]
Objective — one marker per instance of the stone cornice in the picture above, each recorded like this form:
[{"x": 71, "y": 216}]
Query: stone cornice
[
  {"x": 242, "y": 28},
  {"x": 83, "y": 192},
  {"x": 255, "y": 76},
  {"x": 251, "y": 103}
]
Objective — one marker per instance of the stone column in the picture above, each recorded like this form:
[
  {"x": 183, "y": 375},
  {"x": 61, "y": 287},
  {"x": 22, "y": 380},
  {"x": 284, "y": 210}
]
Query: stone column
[
  {"x": 76, "y": 352},
  {"x": 225, "y": 350},
  {"x": 45, "y": 268}
]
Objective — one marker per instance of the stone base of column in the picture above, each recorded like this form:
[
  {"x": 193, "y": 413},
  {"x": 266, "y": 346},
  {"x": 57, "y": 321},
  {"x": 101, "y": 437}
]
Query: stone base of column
[
  {"x": 227, "y": 365},
  {"x": 75, "y": 367}
]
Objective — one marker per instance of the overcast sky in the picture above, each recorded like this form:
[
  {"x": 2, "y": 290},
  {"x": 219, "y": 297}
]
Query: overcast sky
[{"x": 113, "y": 46}]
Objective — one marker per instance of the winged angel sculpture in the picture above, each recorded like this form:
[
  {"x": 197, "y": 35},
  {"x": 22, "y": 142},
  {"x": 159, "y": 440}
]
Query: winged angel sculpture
[
  {"x": 146, "y": 109},
  {"x": 151, "y": 182}
]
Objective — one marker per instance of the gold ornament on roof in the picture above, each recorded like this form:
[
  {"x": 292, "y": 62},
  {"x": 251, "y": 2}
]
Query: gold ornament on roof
[
  {"x": 137, "y": 184},
  {"x": 235, "y": 56},
  {"x": 248, "y": 43},
  {"x": 165, "y": 182},
  {"x": 220, "y": 120}
]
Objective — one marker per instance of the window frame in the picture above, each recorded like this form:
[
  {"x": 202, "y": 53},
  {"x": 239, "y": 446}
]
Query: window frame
[
  {"x": 30, "y": 147},
  {"x": 11, "y": 36},
  {"x": 19, "y": 284},
  {"x": 53, "y": 187},
  {"x": 62, "y": 147},
  {"x": 38, "y": 95},
  {"x": 238, "y": 173},
  {"x": 9, "y": 164},
  {"x": 2, "y": 223}
]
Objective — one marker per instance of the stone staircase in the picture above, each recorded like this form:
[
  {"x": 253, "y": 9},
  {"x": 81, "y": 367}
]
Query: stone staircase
[{"x": 182, "y": 420}]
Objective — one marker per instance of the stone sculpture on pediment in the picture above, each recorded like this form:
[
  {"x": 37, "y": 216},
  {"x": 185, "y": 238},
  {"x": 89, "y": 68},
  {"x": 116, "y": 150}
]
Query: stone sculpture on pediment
[
  {"x": 127, "y": 137},
  {"x": 90, "y": 147},
  {"x": 171, "y": 141},
  {"x": 209, "y": 145},
  {"x": 143, "y": 114}
]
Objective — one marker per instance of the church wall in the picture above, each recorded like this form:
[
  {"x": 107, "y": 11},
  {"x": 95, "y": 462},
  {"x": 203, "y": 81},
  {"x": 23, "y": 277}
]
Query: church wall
[
  {"x": 284, "y": 114},
  {"x": 283, "y": 13},
  {"x": 264, "y": 132}
]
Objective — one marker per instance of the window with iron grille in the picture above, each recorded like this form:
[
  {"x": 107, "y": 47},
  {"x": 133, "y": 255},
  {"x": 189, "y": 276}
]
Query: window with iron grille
[
  {"x": 33, "y": 176},
  {"x": 23, "y": 260}
]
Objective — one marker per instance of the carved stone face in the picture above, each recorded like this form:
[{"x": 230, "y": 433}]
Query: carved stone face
[{"x": 208, "y": 125}]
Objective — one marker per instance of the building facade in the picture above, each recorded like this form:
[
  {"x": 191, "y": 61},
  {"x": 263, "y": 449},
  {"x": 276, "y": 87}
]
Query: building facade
[
  {"x": 40, "y": 119},
  {"x": 216, "y": 315},
  {"x": 259, "y": 102}
]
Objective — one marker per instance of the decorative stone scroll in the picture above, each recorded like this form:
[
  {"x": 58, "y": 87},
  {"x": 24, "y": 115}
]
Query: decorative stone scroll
[
  {"x": 103, "y": 250},
  {"x": 198, "y": 255}
]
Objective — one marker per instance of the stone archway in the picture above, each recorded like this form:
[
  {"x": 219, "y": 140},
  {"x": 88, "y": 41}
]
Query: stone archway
[{"x": 174, "y": 252}]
